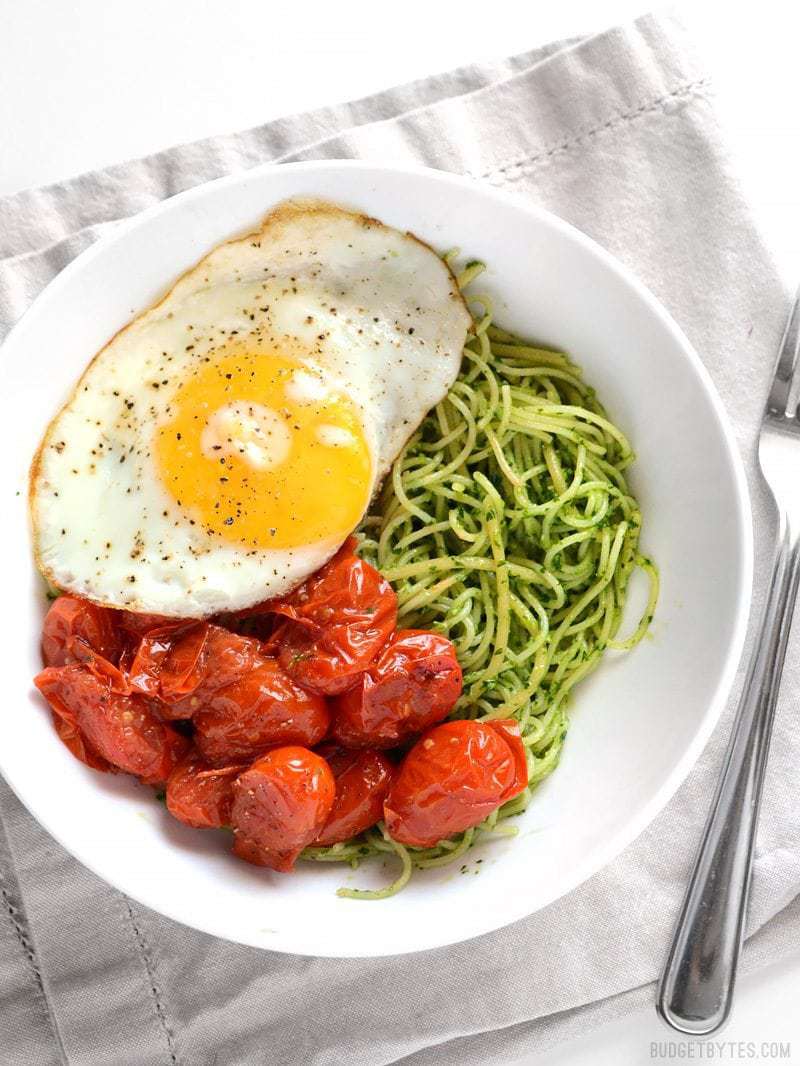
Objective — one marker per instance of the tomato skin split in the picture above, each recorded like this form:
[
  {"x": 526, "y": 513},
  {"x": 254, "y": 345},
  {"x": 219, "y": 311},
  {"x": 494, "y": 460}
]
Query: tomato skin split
[
  {"x": 94, "y": 699},
  {"x": 73, "y": 628},
  {"x": 262, "y": 709},
  {"x": 335, "y": 623},
  {"x": 362, "y": 784},
  {"x": 201, "y": 795},
  {"x": 413, "y": 684},
  {"x": 182, "y": 668}
]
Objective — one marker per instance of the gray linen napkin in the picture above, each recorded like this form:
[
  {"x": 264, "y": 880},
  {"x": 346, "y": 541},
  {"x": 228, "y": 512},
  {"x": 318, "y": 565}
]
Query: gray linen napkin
[{"x": 617, "y": 134}]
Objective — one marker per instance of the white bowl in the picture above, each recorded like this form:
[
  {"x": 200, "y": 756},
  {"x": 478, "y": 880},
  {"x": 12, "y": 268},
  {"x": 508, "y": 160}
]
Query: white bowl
[{"x": 638, "y": 724}]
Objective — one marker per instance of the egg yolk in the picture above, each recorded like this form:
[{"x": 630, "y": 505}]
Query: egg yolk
[{"x": 260, "y": 450}]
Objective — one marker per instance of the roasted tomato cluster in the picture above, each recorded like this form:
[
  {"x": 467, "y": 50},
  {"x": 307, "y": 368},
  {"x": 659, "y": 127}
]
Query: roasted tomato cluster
[{"x": 303, "y": 721}]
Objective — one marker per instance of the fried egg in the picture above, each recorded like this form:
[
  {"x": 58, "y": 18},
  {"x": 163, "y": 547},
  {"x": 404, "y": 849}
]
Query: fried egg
[{"x": 224, "y": 443}]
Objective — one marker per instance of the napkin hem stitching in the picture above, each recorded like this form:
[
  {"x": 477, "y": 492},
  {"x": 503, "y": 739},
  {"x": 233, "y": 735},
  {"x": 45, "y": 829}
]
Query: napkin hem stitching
[
  {"x": 620, "y": 119},
  {"x": 30, "y": 953},
  {"x": 147, "y": 962},
  {"x": 523, "y": 165},
  {"x": 21, "y": 935}
]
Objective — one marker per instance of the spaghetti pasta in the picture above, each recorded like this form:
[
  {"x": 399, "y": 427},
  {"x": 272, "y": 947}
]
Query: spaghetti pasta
[{"x": 507, "y": 525}]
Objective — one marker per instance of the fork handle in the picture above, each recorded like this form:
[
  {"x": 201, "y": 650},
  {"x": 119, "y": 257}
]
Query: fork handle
[{"x": 696, "y": 987}]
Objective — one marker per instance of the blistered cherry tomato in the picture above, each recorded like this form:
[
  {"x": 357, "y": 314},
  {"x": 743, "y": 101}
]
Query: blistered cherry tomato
[
  {"x": 73, "y": 626},
  {"x": 279, "y": 806},
  {"x": 225, "y": 657},
  {"x": 413, "y": 684},
  {"x": 156, "y": 628},
  {"x": 201, "y": 795},
  {"x": 453, "y": 778},
  {"x": 184, "y": 667},
  {"x": 166, "y": 656},
  {"x": 263, "y": 708},
  {"x": 337, "y": 622},
  {"x": 121, "y": 728},
  {"x": 71, "y": 736},
  {"x": 362, "y": 782}
]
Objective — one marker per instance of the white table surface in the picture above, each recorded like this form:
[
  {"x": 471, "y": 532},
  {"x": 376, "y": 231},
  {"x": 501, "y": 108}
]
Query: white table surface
[{"x": 85, "y": 84}]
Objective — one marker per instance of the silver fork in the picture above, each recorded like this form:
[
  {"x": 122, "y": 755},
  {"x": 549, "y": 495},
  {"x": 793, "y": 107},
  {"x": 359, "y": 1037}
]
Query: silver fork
[{"x": 696, "y": 988}]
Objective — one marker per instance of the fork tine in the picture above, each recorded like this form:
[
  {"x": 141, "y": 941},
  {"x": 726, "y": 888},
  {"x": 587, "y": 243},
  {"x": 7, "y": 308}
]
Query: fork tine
[{"x": 778, "y": 399}]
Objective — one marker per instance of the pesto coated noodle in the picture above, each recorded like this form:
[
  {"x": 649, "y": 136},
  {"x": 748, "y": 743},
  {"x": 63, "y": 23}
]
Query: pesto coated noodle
[{"x": 507, "y": 525}]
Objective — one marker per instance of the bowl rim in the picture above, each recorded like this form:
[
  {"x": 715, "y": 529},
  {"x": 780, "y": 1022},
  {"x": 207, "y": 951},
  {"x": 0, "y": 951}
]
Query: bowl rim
[{"x": 636, "y": 824}]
